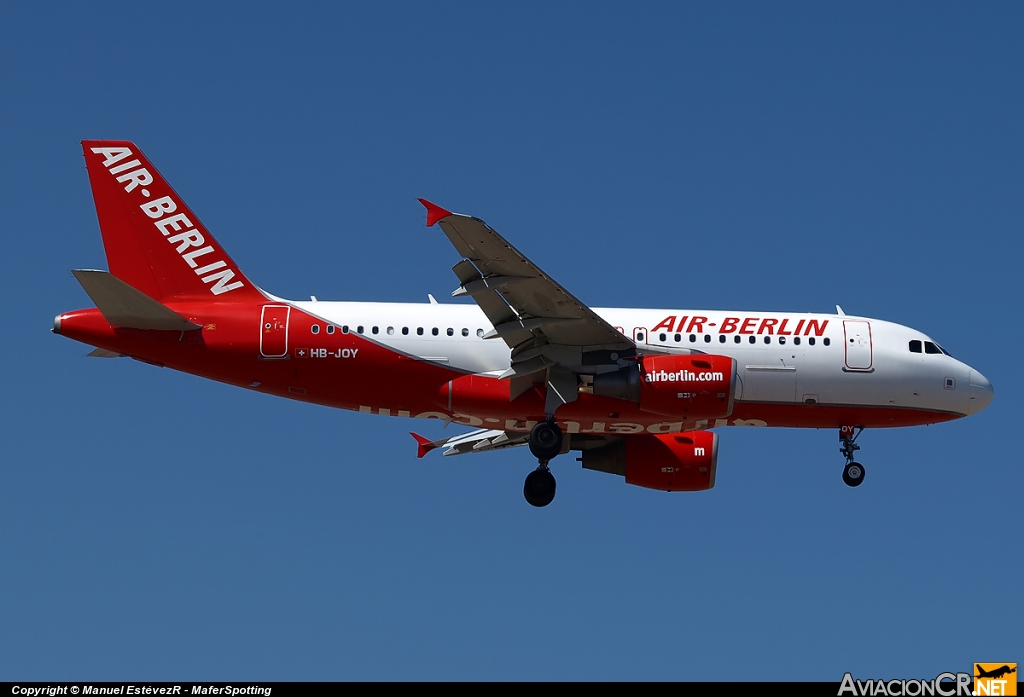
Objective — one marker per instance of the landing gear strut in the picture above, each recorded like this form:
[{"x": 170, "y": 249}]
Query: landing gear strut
[
  {"x": 545, "y": 443},
  {"x": 853, "y": 473}
]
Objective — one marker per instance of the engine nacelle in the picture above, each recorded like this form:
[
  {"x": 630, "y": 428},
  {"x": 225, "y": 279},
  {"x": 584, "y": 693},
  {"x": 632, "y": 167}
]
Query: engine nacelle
[
  {"x": 669, "y": 462},
  {"x": 692, "y": 386}
]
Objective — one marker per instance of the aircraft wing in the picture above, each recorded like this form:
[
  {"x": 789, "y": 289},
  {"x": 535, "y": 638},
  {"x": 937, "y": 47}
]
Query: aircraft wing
[
  {"x": 552, "y": 335},
  {"x": 484, "y": 441}
]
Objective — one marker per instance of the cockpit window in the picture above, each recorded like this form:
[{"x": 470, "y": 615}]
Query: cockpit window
[
  {"x": 915, "y": 346},
  {"x": 929, "y": 347},
  {"x": 945, "y": 351}
]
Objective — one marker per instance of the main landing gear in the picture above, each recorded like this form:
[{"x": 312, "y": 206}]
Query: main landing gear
[
  {"x": 539, "y": 489},
  {"x": 853, "y": 473},
  {"x": 545, "y": 443}
]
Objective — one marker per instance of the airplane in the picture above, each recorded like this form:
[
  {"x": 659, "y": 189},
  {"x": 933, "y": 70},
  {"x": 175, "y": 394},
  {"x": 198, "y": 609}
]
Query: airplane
[
  {"x": 638, "y": 393},
  {"x": 995, "y": 673}
]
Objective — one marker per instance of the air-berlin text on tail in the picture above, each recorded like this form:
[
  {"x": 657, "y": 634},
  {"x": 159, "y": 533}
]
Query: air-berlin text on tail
[
  {"x": 190, "y": 243},
  {"x": 743, "y": 325}
]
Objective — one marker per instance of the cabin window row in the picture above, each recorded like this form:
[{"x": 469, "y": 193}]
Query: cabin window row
[
  {"x": 736, "y": 338},
  {"x": 360, "y": 329}
]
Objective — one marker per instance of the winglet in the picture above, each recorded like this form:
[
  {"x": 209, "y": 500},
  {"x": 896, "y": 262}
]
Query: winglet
[
  {"x": 424, "y": 445},
  {"x": 434, "y": 213}
]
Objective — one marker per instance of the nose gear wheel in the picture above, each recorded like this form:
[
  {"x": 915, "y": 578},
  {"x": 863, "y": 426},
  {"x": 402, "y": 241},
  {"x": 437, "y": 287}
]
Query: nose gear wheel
[{"x": 853, "y": 474}]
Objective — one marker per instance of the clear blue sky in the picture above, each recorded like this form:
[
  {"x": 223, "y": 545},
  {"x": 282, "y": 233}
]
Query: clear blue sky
[{"x": 756, "y": 156}]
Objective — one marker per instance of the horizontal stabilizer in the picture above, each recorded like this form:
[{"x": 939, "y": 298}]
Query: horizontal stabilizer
[
  {"x": 104, "y": 353},
  {"x": 124, "y": 306}
]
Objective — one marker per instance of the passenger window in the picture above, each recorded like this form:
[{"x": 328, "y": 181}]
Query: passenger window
[
  {"x": 391, "y": 331},
  {"x": 767, "y": 339},
  {"x": 434, "y": 331},
  {"x": 451, "y": 332},
  {"x": 662, "y": 338},
  {"x": 480, "y": 332},
  {"x": 359, "y": 329},
  {"x": 826, "y": 341},
  {"x": 693, "y": 338},
  {"x": 344, "y": 329},
  {"x": 753, "y": 339},
  {"x": 639, "y": 336},
  {"x": 375, "y": 330},
  {"x": 810, "y": 340},
  {"x": 796, "y": 340},
  {"x": 419, "y": 331},
  {"x": 315, "y": 329},
  {"x": 929, "y": 347},
  {"x": 721, "y": 338},
  {"x": 678, "y": 338},
  {"x": 405, "y": 331},
  {"x": 736, "y": 339},
  {"x": 782, "y": 339},
  {"x": 707, "y": 338},
  {"x": 330, "y": 328},
  {"x": 465, "y": 332}
]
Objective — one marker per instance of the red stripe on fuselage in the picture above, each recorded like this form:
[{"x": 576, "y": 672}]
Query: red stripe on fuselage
[{"x": 350, "y": 371}]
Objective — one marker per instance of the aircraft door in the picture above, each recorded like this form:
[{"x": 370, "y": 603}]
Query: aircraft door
[
  {"x": 858, "y": 344},
  {"x": 274, "y": 331}
]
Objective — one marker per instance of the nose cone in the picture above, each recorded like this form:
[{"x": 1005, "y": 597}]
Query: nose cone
[{"x": 980, "y": 392}]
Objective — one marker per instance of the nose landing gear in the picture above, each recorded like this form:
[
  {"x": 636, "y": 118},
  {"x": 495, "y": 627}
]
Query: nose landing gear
[
  {"x": 545, "y": 443},
  {"x": 853, "y": 473}
]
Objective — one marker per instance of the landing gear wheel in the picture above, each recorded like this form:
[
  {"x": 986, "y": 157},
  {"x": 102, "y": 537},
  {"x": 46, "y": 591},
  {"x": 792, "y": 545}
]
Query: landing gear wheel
[
  {"x": 539, "y": 489},
  {"x": 545, "y": 441},
  {"x": 853, "y": 474}
]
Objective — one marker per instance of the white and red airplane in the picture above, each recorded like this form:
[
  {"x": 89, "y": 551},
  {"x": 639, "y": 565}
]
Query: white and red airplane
[{"x": 636, "y": 391}]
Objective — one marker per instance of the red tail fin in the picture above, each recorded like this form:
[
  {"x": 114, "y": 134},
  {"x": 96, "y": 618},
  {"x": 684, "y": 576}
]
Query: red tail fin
[{"x": 153, "y": 241}]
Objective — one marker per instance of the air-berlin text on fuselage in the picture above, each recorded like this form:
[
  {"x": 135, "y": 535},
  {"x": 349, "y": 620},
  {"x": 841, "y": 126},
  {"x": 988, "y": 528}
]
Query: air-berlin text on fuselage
[
  {"x": 743, "y": 325},
  {"x": 191, "y": 245},
  {"x": 683, "y": 376}
]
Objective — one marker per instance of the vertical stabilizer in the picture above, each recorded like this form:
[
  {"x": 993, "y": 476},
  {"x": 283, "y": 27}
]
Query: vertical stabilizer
[{"x": 152, "y": 240}]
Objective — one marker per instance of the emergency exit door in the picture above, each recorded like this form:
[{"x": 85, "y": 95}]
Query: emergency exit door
[
  {"x": 858, "y": 344},
  {"x": 274, "y": 331}
]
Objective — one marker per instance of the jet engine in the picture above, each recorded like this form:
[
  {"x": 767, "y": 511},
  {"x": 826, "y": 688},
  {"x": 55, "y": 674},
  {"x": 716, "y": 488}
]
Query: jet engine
[
  {"x": 669, "y": 462},
  {"x": 693, "y": 386}
]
